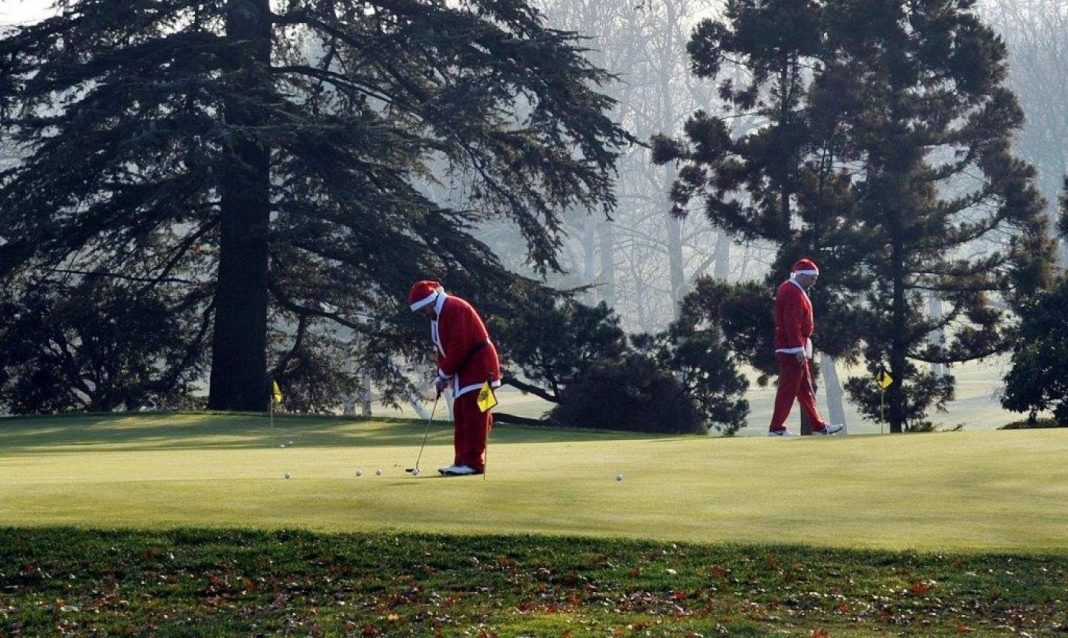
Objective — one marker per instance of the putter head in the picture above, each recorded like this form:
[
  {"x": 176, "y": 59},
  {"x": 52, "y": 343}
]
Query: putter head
[{"x": 412, "y": 470}]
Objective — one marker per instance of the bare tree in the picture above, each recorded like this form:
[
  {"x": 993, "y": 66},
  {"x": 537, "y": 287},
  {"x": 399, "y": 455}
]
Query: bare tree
[
  {"x": 1034, "y": 31},
  {"x": 643, "y": 261}
]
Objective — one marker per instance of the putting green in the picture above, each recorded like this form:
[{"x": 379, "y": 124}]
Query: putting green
[{"x": 977, "y": 491}]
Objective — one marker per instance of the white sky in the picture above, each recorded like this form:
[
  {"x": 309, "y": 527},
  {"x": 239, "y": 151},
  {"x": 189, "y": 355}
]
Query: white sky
[{"x": 24, "y": 11}]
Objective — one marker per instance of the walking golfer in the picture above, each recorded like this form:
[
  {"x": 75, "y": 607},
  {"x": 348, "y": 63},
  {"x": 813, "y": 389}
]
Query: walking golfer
[
  {"x": 466, "y": 360},
  {"x": 793, "y": 348}
]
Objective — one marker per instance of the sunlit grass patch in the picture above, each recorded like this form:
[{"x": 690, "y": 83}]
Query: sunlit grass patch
[{"x": 974, "y": 491}]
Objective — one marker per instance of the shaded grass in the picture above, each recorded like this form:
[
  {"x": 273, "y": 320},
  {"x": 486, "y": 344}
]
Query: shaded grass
[
  {"x": 206, "y": 430},
  {"x": 188, "y": 582}
]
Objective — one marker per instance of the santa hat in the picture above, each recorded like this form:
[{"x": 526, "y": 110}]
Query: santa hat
[
  {"x": 805, "y": 267},
  {"x": 424, "y": 293}
]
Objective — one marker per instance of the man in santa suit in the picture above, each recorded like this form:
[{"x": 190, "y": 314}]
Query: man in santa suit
[
  {"x": 466, "y": 360},
  {"x": 793, "y": 349}
]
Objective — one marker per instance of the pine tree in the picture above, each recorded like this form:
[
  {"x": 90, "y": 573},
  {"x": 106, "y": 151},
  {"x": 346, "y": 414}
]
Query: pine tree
[
  {"x": 883, "y": 150},
  {"x": 767, "y": 168},
  {"x": 268, "y": 163},
  {"x": 946, "y": 208},
  {"x": 1038, "y": 379},
  {"x": 770, "y": 40},
  {"x": 1062, "y": 219}
]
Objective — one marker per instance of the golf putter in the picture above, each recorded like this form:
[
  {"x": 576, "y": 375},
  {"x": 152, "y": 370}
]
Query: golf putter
[{"x": 415, "y": 470}]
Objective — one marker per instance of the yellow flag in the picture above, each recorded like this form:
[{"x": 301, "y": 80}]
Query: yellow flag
[
  {"x": 883, "y": 378},
  {"x": 486, "y": 399},
  {"x": 276, "y": 392}
]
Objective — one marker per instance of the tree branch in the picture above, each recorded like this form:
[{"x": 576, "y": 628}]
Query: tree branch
[{"x": 508, "y": 379}]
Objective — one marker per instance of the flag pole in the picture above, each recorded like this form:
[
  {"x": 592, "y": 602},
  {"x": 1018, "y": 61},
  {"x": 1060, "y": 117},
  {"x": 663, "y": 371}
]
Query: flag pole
[
  {"x": 489, "y": 419},
  {"x": 274, "y": 397},
  {"x": 882, "y": 409},
  {"x": 486, "y": 401},
  {"x": 883, "y": 380}
]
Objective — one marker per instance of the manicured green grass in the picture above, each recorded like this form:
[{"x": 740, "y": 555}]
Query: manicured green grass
[
  {"x": 199, "y": 583},
  {"x": 961, "y": 491}
]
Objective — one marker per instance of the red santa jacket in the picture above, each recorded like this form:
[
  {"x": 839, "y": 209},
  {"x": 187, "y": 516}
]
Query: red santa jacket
[
  {"x": 793, "y": 318},
  {"x": 466, "y": 356}
]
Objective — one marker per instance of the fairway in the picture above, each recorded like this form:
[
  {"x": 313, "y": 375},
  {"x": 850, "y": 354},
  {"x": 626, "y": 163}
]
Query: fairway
[{"x": 970, "y": 491}]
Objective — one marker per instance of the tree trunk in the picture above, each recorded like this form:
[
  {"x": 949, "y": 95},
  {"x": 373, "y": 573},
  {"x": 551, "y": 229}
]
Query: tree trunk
[
  {"x": 589, "y": 254},
  {"x": 678, "y": 277},
  {"x": 895, "y": 395},
  {"x": 366, "y": 395},
  {"x": 608, "y": 264},
  {"x": 417, "y": 404},
  {"x": 666, "y": 122},
  {"x": 239, "y": 348},
  {"x": 504, "y": 417},
  {"x": 723, "y": 257},
  {"x": 527, "y": 388},
  {"x": 937, "y": 337},
  {"x": 835, "y": 406},
  {"x": 806, "y": 422}
]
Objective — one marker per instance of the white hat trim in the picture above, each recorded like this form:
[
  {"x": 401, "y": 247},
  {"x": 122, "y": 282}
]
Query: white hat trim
[
  {"x": 427, "y": 300},
  {"x": 806, "y": 272}
]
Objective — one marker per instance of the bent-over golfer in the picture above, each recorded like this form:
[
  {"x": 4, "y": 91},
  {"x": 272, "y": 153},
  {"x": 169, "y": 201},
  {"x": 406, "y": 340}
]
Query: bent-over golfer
[
  {"x": 466, "y": 360},
  {"x": 793, "y": 348}
]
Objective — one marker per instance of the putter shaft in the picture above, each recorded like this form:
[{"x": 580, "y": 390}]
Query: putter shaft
[{"x": 426, "y": 432}]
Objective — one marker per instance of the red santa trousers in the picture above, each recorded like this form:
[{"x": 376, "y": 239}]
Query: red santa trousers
[
  {"x": 795, "y": 382},
  {"x": 470, "y": 431}
]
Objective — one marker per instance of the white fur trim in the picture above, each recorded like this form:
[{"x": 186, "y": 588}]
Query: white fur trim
[
  {"x": 458, "y": 391},
  {"x": 426, "y": 301}
]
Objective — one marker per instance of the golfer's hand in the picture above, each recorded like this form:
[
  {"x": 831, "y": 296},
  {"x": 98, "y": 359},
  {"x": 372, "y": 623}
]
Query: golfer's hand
[
  {"x": 800, "y": 356},
  {"x": 440, "y": 385}
]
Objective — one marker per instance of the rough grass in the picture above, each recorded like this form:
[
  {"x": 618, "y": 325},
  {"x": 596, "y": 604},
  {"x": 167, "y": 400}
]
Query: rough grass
[
  {"x": 984, "y": 491},
  {"x": 242, "y": 583}
]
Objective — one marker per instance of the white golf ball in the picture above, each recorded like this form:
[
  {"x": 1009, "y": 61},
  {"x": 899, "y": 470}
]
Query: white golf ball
[
  {"x": 378, "y": 472},
  {"x": 286, "y": 475},
  {"x": 619, "y": 477},
  {"x": 359, "y": 472}
]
